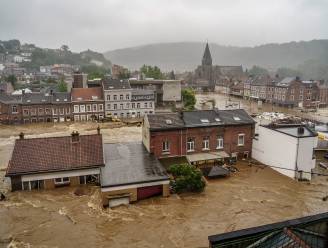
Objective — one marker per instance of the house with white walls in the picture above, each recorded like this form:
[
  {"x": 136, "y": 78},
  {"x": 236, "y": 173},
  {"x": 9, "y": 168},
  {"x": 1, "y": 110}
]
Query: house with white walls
[{"x": 288, "y": 149}]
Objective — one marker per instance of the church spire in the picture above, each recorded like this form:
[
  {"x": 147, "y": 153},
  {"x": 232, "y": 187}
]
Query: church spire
[{"x": 207, "y": 58}]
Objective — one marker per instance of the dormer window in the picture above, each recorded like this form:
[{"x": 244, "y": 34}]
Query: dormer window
[
  {"x": 168, "y": 122},
  {"x": 236, "y": 118}
]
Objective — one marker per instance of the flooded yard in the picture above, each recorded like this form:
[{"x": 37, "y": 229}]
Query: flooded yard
[{"x": 58, "y": 218}]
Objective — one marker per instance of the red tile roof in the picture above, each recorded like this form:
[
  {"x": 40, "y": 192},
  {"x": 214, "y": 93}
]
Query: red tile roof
[
  {"x": 55, "y": 154},
  {"x": 87, "y": 94}
]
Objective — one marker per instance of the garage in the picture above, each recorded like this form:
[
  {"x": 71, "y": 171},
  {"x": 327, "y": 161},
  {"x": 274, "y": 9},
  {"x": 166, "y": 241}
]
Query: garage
[{"x": 146, "y": 192}]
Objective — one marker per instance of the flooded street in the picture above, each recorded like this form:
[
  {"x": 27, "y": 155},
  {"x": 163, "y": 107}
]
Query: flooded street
[{"x": 58, "y": 218}]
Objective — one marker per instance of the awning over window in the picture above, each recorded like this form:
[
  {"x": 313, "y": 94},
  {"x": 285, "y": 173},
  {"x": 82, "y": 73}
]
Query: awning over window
[{"x": 196, "y": 157}]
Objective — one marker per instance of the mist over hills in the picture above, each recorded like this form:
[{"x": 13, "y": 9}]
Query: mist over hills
[{"x": 181, "y": 56}]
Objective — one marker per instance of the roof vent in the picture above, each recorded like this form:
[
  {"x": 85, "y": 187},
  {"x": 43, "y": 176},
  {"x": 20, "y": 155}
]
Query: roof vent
[
  {"x": 236, "y": 118},
  {"x": 168, "y": 122},
  {"x": 217, "y": 119},
  {"x": 300, "y": 130},
  {"x": 204, "y": 120}
]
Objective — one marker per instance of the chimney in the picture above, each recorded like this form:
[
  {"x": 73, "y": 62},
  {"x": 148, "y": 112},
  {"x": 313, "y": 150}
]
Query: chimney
[
  {"x": 21, "y": 135},
  {"x": 98, "y": 130},
  {"x": 300, "y": 130},
  {"x": 23, "y": 92},
  {"x": 75, "y": 136},
  {"x": 297, "y": 78},
  {"x": 51, "y": 92}
]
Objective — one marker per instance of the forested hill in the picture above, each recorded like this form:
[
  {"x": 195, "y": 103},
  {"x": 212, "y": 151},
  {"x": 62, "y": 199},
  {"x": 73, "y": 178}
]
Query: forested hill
[{"x": 187, "y": 55}]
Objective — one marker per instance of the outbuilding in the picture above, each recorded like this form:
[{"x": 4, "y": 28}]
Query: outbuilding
[{"x": 131, "y": 174}]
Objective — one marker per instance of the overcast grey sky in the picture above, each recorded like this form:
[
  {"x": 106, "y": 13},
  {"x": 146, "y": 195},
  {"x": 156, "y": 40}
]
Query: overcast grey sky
[{"x": 104, "y": 25}]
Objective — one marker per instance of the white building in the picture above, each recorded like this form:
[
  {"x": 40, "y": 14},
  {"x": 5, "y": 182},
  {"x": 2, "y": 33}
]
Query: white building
[
  {"x": 121, "y": 101},
  {"x": 288, "y": 149}
]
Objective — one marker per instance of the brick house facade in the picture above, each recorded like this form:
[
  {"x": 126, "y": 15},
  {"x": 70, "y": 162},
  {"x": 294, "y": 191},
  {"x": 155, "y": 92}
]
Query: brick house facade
[{"x": 172, "y": 135}]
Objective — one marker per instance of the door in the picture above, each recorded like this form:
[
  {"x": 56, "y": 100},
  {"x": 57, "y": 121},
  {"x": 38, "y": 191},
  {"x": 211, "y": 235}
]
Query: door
[{"x": 146, "y": 192}]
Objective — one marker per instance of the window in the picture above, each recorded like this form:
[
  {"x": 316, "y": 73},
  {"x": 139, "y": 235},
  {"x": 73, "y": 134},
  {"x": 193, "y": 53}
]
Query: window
[
  {"x": 138, "y": 105},
  {"x": 165, "y": 146},
  {"x": 62, "y": 111},
  {"x": 145, "y": 104},
  {"x": 33, "y": 111},
  {"x": 133, "y": 105},
  {"x": 94, "y": 106},
  {"x": 88, "y": 108},
  {"x": 108, "y": 97},
  {"x": 48, "y": 112},
  {"x": 241, "y": 139},
  {"x": 206, "y": 143},
  {"x": 121, "y": 106},
  {"x": 121, "y": 97},
  {"x": 40, "y": 111},
  {"x": 68, "y": 110},
  {"x": 82, "y": 108},
  {"x": 122, "y": 115},
  {"x": 190, "y": 145},
  {"x": 128, "y": 105},
  {"x": 100, "y": 107},
  {"x": 150, "y": 105},
  {"x": 138, "y": 114},
  {"x": 62, "y": 180},
  {"x": 108, "y": 106},
  {"x": 76, "y": 108},
  {"x": 115, "y": 97},
  {"x": 25, "y": 112},
  {"x": 14, "y": 109},
  {"x": 127, "y": 97},
  {"x": 219, "y": 144},
  {"x": 115, "y": 106}
]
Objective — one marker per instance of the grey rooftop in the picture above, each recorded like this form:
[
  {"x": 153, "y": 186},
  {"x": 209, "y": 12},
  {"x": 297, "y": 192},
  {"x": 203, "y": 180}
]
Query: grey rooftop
[{"x": 130, "y": 163}]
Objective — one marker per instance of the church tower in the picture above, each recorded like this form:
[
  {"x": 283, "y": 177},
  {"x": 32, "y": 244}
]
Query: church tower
[{"x": 207, "y": 58}]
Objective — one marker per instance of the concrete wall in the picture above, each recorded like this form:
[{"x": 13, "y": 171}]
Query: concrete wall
[
  {"x": 172, "y": 91},
  {"x": 146, "y": 134},
  {"x": 305, "y": 161}
]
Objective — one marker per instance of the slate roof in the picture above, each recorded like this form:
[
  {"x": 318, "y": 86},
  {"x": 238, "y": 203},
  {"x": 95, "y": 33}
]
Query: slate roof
[
  {"x": 286, "y": 81},
  {"x": 52, "y": 154},
  {"x": 61, "y": 97},
  {"x": 310, "y": 231},
  {"x": 130, "y": 163},
  {"x": 165, "y": 121},
  {"x": 87, "y": 94},
  {"x": 116, "y": 84},
  {"x": 36, "y": 98},
  {"x": 6, "y": 98},
  {"x": 198, "y": 118},
  {"x": 216, "y": 118}
]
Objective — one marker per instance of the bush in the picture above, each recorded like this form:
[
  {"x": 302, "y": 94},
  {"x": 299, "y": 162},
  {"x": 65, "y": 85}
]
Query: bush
[{"x": 186, "y": 178}]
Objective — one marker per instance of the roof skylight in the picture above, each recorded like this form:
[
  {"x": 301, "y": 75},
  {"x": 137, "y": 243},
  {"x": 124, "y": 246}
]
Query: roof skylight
[
  {"x": 204, "y": 120},
  {"x": 236, "y": 118},
  {"x": 169, "y": 122},
  {"x": 217, "y": 119}
]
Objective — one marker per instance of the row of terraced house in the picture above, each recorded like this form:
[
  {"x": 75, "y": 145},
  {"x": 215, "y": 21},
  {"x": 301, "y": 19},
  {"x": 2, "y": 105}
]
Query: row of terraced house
[
  {"x": 112, "y": 98},
  {"x": 290, "y": 91}
]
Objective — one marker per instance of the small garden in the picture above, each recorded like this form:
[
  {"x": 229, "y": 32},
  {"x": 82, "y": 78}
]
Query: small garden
[{"x": 186, "y": 178}]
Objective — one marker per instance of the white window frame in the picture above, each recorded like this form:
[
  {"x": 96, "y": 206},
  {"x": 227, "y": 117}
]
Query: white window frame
[
  {"x": 220, "y": 143},
  {"x": 190, "y": 145},
  {"x": 62, "y": 181},
  {"x": 239, "y": 136},
  {"x": 166, "y": 146},
  {"x": 206, "y": 143},
  {"x": 89, "y": 108},
  {"x": 82, "y": 108},
  {"x": 100, "y": 107},
  {"x": 76, "y": 109},
  {"x": 94, "y": 108}
]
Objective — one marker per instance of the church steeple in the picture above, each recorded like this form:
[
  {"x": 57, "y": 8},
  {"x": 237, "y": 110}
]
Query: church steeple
[{"x": 207, "y": 58}]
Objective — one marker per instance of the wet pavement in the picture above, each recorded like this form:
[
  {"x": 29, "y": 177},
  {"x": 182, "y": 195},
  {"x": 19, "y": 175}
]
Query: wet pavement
[{"x": 58, "y": 218}]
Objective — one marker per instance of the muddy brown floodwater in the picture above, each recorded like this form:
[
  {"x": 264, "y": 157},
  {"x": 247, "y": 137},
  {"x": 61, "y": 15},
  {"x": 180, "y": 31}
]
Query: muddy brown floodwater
[{"x": 58, "y": 218}]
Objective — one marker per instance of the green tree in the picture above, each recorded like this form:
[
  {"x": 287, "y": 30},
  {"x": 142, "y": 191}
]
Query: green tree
[
  {"x": 189, "y": 99},
  {"x": 62, "y": 86},
  {"x": 13, "y": 80},
  {"x": 257, "y": 71},
  {"x": 186, "y": 178},
  {"x": 151, "y": 72}
]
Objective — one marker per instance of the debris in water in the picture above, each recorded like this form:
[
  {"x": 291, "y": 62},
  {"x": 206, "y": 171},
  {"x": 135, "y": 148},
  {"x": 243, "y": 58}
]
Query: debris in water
[
  {"x": 2, "y": 197},
  {"x": 325, "y": 198},
  {"x": 62, "y": 211},
  {"x": 79, "y": 192}
]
